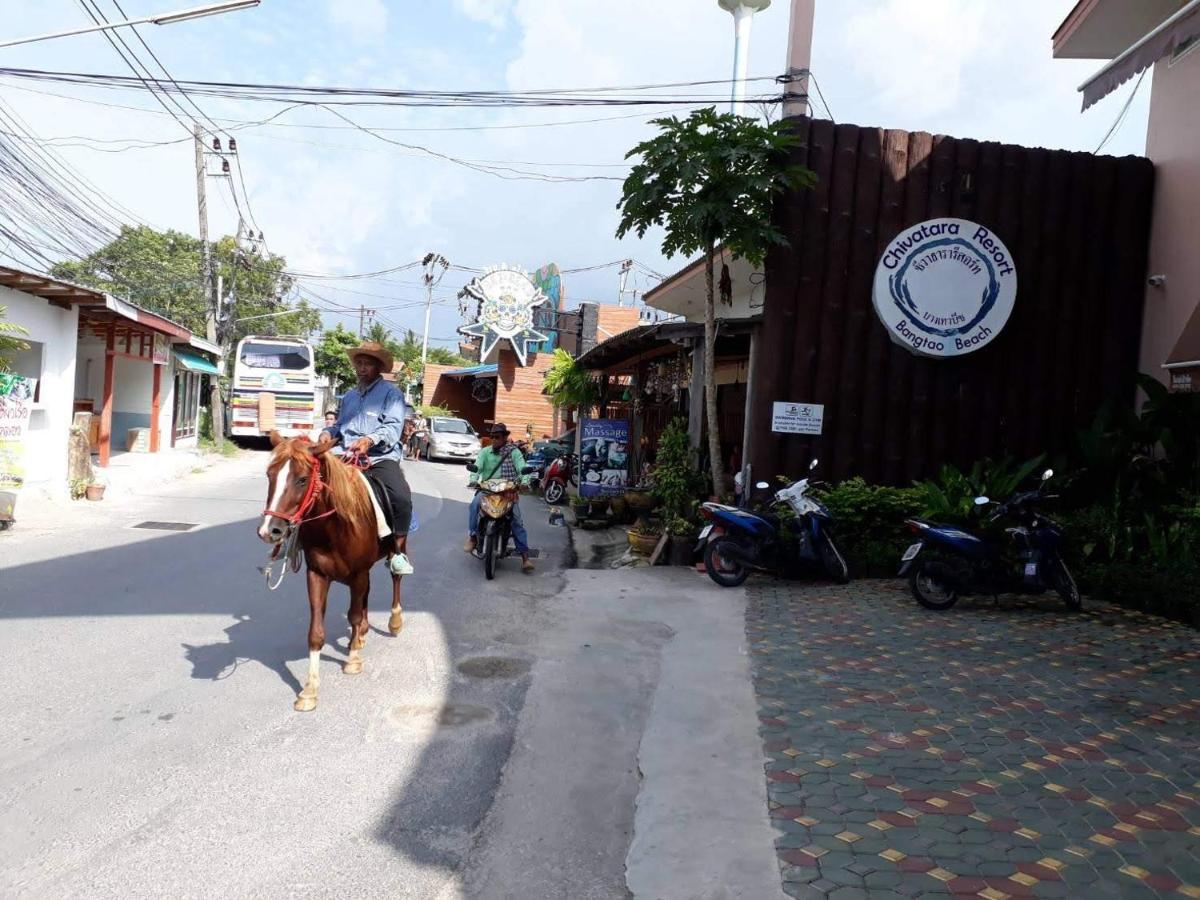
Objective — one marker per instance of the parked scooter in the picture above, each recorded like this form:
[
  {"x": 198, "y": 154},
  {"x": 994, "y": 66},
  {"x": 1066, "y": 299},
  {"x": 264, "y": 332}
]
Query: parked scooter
[
  {"x": 494, "y": 528},
  {"x": 949, "y": 562},
  {"x": 797, "y": 531},
  {"x": 561, "y": 472}
]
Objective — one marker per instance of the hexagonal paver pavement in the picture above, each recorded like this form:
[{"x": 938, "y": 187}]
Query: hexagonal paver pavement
[{"x": 1010, "y": 750}]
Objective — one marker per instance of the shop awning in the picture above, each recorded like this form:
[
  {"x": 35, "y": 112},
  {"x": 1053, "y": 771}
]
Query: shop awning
[
  {"x": 195, "y": 363},
  {"x": 1160, "y": 42},
  {"x": 474, "y": 372}
]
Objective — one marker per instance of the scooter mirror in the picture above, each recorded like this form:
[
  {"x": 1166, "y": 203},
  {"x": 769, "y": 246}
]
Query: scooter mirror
[
  {"x": 812, "y": 465},
  {"x": 982, "y": 501},
  {"x": 1047, "y": 475},
  {"x": 762, "y": 485}
]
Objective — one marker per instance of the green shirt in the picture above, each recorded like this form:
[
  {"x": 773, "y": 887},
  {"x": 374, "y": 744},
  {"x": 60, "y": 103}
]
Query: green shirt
[{"x": 487, "y": 465}]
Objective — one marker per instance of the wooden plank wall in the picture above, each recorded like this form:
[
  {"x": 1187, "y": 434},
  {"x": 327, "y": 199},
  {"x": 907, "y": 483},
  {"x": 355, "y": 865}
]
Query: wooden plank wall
[{"x": 1077, "y": 226}]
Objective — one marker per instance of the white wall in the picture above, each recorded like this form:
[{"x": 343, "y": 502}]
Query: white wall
[{"x": 56, "y": 329}]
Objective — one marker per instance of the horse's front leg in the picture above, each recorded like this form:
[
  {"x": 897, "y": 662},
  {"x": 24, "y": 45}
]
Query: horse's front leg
[
  {"x": 396, "y": 620},
  {"x": 318, "y": 594},
  {"x": 360, "y": 587}
]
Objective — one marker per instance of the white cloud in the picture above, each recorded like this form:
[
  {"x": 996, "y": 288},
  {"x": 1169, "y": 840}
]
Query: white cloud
[
  {"x": 490, "y": 12},
  {"x": 364, "y": 20},
  {"x": 913, "y": 52}
]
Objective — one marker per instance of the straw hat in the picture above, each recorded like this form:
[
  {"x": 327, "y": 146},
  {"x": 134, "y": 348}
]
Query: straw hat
[{"x": 376, "y": 351}]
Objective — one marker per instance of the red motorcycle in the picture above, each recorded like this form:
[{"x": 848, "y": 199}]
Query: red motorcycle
[{"x": 561, "y": 472}]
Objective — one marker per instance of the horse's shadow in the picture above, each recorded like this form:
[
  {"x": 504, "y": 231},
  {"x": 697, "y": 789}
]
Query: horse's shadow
[{"x": 254, "y": 640}]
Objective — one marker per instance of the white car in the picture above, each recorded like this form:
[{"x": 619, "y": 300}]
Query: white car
[{"x": 451, "y": 439}]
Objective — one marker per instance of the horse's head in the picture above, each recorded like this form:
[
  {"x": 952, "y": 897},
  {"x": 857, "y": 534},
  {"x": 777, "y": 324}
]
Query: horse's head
[{"x": 291, "y": 467}]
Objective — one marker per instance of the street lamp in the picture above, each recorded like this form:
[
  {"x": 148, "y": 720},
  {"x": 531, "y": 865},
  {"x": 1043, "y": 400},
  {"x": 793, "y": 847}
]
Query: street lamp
[
  {"x": 167, "y": 18},
  {"x": 743, "y": 15}
]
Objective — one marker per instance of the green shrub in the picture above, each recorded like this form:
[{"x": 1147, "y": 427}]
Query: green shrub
[
  {"x": 869, "y": 523},
  {"x": 951, "y": 496},
  {"x": 677, "y": 481}
]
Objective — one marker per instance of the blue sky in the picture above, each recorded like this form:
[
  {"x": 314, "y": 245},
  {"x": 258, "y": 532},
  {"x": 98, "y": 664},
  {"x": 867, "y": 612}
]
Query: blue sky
[{"x": 335, "y": 200}]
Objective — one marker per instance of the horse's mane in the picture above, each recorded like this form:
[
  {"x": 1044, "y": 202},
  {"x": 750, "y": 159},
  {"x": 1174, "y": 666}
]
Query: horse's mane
[{"x": 346, "y": 491}]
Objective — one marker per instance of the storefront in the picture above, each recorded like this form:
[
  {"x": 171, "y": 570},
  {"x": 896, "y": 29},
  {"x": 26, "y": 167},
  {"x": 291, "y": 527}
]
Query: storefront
[{"x": 191, "y": 368}]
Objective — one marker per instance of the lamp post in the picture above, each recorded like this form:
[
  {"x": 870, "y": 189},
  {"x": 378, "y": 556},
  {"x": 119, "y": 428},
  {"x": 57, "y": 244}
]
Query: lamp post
[
  {"x": 743, "y": 16},
  {"x": 166, "y": 18}
]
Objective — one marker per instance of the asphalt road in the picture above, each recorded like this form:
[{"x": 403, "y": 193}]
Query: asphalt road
[{"x": 149, "y": 746}]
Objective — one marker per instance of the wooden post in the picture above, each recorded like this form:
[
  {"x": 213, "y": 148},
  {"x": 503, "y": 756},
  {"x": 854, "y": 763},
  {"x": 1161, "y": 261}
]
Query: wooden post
[
  {"x": 107, "y": 409},
  {"x": 155, "y": 407},
  {"x": 696, "y": 395}
]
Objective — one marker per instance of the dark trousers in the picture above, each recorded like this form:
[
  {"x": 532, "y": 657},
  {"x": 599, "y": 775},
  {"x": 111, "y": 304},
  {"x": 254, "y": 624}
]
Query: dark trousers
[{"x": 388, "y": 474}]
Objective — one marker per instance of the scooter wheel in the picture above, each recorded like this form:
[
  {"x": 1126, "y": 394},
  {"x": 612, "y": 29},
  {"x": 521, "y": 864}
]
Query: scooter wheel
[
  {"x": 721, "y": 568},
  {"x": 931, "y": 586},
  {"x": 554, "y": 492},
  {"x": 1063, "y": 582},
  {"x": 833, "y": 561},
  {"x": 490, "y": 555}
]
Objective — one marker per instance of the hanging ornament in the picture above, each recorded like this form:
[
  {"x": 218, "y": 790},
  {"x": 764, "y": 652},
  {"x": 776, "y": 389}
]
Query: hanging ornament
[{"x": 483, "y": 390}]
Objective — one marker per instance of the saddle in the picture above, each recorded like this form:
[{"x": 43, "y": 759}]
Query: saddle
[{"x": 384, "y": 516}]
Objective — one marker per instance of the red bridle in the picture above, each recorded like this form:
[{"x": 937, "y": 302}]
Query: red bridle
[{"x": 311, "y": 492}]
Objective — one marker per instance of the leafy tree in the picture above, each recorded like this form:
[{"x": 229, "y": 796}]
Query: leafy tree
[
  {"x": 10, "y": 340},
  {"x": 710, "y": 180},
  {"x": 161, "y": 272},
  {"x": 568, "y": 384},
  {"x": 331, "y": 360}
]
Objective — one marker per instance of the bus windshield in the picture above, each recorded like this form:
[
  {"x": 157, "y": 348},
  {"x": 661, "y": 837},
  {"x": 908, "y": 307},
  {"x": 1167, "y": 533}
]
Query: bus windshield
[{"x": 260, "y": 355}]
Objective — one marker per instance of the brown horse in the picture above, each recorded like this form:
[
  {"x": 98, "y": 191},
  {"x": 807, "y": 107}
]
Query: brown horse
[{"x": 310, "y": 489}]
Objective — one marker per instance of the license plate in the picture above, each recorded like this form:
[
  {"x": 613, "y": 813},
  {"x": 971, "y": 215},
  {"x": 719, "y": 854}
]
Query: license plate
[
  {"x": 911, "y": 553},
  {"x": 705, "y": 531}
]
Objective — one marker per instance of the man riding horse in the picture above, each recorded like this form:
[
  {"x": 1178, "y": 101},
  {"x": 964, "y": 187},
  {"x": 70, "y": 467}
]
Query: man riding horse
[{"x": 370, "y": 427}]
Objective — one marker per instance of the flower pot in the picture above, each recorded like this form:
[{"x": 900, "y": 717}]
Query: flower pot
[
  {"x": 95, "y": 492},
  {"x": 642, "y": 544},
  {"x": 640, "y": 501},
  {"x": 680, "y": 550}
]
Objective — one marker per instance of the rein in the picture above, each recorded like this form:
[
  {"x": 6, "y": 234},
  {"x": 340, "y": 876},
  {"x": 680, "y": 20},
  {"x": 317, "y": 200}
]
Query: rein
[{"x": 315, "y": 486}]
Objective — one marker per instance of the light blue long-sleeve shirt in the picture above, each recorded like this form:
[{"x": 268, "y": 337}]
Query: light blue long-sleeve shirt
[{"x": 378, "y": 412}]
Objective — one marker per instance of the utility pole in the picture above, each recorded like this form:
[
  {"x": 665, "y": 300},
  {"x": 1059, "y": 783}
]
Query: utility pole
[
  {"x": 206, "y": 278},
  {"x": 435, "y": 267},
  {"x": 799, "y": 55}
]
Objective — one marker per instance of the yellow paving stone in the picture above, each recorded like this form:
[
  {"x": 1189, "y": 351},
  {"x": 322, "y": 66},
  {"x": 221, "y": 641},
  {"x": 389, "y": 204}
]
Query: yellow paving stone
[
  {"x": 852, "y": 755},
  {"x": 1102, "y": 839},
  {"x": 1127, "y": 828},
  {"x": 1100, "y": 801},
  {"x": 826, "y": 763},
  {"x": 807, "y": 821},
  {"x": 909, "y": 813},
  {"x": 814, "y": 851},
  {"x": 1194, "y": 831},
  {"x": 981, "y": 817},
  {"x": 1009, "y": 773},
  {"x": 1083, "y": 852},
  {"x": 893, "y": 855},
  {"x": 941, "y": 874},
  {"x": 1133, "y": 871},
  {"x": 1028, "y": 833},
  {"x": 1057, "y": 788},
  {"x": 848, "y": 836},
  {"x": 1036, "y": 767},
  {"x": 1022, "y": 878},
  {"x": 1053, "y": 758},
  {"x": 897, "y": 788},
  {"x": 1189, "y": 890},
  {"x": 936, "y": 751},
  {"x": 964, "y": 792},
  {"x": 989, "y": 783},
  {"x": 880, "y": 825},
  {"x": 791, "y": 751},
  {"x": 1055, "y": 865},
  {"x": 938, "y": 802},
  {"x": 993, "y": 894}
]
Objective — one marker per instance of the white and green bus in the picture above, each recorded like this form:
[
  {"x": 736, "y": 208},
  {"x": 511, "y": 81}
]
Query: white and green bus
[{"x": 273, "y": 387}]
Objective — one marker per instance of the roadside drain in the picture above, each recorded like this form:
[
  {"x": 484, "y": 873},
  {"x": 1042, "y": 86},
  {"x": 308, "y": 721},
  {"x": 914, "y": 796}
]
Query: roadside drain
[{"x": 494, "y": 667}]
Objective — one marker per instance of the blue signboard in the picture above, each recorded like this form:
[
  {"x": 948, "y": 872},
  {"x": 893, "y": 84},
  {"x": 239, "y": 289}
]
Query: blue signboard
[{"x": 603, "y": 457}]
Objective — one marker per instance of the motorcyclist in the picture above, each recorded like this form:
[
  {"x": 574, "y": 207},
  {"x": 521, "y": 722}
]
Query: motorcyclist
[{"x": 501, "y": 459}]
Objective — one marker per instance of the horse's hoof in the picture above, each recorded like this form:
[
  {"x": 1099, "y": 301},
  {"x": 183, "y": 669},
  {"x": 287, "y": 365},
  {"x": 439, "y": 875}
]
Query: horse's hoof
[
  {"x": 395, "y": 623},
  {"x": 305, "y": 704},
  {"x": 353, "y": 666}
]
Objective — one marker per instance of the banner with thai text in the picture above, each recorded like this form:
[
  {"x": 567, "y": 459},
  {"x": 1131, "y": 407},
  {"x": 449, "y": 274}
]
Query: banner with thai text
[{"x": 16, "y": 404}]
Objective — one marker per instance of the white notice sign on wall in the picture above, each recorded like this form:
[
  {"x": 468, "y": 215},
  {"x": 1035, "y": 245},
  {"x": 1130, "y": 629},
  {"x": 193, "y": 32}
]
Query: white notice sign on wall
[{"x": 798, "y": 418}]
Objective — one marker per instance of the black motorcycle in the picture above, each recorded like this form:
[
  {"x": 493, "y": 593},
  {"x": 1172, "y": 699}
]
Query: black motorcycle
[
  {"x": 949, "y": 562},
  {"x": 493, "y": 530}
]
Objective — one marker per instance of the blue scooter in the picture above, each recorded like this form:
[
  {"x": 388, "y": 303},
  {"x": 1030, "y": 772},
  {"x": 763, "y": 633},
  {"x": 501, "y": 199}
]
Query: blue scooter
[
  {"x": 948, "y": 562},
  {"x": 738, "y": 541}
]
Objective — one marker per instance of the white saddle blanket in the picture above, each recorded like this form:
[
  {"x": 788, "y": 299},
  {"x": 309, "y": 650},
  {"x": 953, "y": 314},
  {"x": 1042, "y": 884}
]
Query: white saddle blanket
[{"x": 380, "y": 519}]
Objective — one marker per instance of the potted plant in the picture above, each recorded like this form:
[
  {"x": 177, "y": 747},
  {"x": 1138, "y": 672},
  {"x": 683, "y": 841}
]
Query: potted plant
[
  {"x": 78, "y": 488},
  {"x": 643, "y": 536},
  {"x": 95, "y": 491},
  {"x": 683, "y": 540},
  {"x": 640, "y": 499}
]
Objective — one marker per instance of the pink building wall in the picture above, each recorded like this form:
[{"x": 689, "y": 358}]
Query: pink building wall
[{"x": 1173, "y": 144}]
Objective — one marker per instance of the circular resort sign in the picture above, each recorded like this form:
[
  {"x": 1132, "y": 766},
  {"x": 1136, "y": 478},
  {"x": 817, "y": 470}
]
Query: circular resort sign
[{"x": 945, "y": 287}]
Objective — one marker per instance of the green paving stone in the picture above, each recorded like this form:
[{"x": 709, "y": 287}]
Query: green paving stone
[
  {"x": 836, "y": 860},
  {"x": 849, "y": 893}
]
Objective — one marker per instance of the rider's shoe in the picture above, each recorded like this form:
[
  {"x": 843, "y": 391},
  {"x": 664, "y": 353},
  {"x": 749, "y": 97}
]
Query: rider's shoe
[
  {"x": 399, "y": 564},
  {"x": 527, "y": 566},
  {"x": 470, "y": 545}
]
